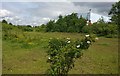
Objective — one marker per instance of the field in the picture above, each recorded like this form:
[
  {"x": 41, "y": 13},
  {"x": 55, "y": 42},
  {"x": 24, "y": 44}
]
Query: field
[{"x": 19, "y": 58}]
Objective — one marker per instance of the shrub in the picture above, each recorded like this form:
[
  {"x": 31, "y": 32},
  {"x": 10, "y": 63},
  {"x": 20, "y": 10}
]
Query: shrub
[
  {"x": 101, "y": 29},
  {"x": 87, "y": 29},
  {"x": 63, "y": 52}
]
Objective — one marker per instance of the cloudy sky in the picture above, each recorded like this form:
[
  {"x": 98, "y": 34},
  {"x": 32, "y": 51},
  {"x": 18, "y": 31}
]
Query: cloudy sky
[{"x": 37, "y": 13}]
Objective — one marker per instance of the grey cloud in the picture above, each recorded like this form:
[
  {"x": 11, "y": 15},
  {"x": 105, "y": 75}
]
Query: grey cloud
[
  {"x": 97, "y": 7},
  {"x": 50, "y": 9},
  {"x": 39, "y": 12}
]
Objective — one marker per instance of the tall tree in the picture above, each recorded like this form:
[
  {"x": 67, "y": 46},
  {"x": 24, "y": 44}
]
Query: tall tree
[
  {"x": 50, "y": 26},
  {"x": 115, "y": 12}
]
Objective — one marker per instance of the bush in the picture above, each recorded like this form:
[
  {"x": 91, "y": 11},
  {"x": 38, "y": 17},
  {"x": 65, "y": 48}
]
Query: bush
[
  {"x": 63, "y": 52},
  {"x": 102, "y": 29},
  {"x": 87, "y": 29}
]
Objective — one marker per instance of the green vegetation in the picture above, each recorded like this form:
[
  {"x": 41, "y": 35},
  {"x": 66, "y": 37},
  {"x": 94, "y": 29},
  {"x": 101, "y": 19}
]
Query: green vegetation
[
  {"x": 26, "y": 49},
  {"x": 24, "y": 52},
  {"x": 102, "y": 29},
  {"x": 101, "y": 57},
  {"x": 69, "y": 23},
  {"x": 115, "y": 12},
  {"x": 63, "y": 53}
]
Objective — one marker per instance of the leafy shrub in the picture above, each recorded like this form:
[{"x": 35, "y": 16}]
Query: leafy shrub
[
  {"x": 63, "y": 52},
  {"x": 4, "y": 21},
  {"x": 101, "y": 29},
  {"x": 87, "y": 29},
  {"x": 107, "y": 29}
]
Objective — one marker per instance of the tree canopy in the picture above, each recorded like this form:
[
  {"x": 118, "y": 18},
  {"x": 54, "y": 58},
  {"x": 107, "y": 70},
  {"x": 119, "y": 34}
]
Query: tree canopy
[
  {"x": 115, "y": 12},
  {"x": 69, "y": 23},
  {"x": 4, "y": 21}
]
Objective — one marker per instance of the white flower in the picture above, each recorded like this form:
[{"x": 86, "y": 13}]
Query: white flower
[
  {"x": 48, "y": 57},
  {"x": 78, "y": 46},
  {"x": 87, "y": 35},
  {"x": 68, "y": 42},
  {"x": 87, "y": 24},
  {"x": 96, "y": 38},
  {"x": 88, "y": 42},
  {"x": 68, "y": 38}
]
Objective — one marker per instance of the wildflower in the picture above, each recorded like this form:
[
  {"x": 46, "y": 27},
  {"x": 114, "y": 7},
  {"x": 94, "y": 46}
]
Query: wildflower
[
  {"x": 68, "y": 38},
  {"x": 96, "y": 38},
  {"x": 68, "y": 42},
  {"x": 88, "y": 42},
  {"x": 87, "y": 35},
  {"x": 78, "y": 46},
  {"x": 48, "y": 57}
]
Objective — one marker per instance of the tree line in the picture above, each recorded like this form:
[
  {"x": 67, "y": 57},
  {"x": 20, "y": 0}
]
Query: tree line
[
  {"x": 69, "y": 23},
  {"x": 73, "y": 23}
]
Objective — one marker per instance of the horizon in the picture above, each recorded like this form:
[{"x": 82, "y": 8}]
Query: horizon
[{"x": 37, "y": 13}]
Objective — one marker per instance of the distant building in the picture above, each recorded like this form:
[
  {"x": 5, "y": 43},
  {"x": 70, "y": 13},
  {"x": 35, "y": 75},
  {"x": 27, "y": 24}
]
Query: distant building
[{"x": 93, "y": 17}]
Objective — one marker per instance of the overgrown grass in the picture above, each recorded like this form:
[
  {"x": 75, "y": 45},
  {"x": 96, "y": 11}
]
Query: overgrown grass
[{"x": 28, "y": 56}]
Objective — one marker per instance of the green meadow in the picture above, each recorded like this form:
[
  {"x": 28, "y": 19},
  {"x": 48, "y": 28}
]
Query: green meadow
[
  {"x": 51, "y": 46},
  {"x": 27, "y": 55}
]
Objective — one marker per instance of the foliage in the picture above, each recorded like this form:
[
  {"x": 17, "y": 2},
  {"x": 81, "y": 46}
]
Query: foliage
[
  {"x": 69, "y": 23},
  {"x": 15, "y": 34},
  {"x": 87, "y": 29},
  {"x": 10, "y": 24},
  {"x": 63, "y": 52},
  {"x": 101, "y": 28},
  {"x": 4, "y": 21},
  {"x": 50, "y": 26},
  {"x": 39, "y": 28},
  {"x": 115, "y": 12}
]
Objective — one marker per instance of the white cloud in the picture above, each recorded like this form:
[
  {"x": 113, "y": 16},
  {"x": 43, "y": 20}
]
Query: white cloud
[
  {"x": 4, "y": 13},
  {"x": 46, "y": 19},
  {"x": 36, "y": 13},
  {"x": 57, "y": 13}
]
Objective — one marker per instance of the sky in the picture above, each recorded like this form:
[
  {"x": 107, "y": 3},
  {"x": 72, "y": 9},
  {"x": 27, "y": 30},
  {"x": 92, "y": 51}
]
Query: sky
[{"x": 37, "y": 13}]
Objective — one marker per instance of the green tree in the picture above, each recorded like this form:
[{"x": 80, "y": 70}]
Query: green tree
[
  {"x": 68, "y": 23},
  {"x": 115, "y": 12},
  {"x": 50, "y": 26},
  {"x": 4, "y": 21},
  {"x": 10, "y": 24},
  {"x": 82, "y": 23}
]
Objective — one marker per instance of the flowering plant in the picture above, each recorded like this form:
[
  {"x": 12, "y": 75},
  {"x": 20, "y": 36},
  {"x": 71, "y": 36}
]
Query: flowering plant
[{"x": 63, "y": 52}]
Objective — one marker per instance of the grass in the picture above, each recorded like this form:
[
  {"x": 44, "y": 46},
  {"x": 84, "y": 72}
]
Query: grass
[{"x": 30, "y": 58}]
